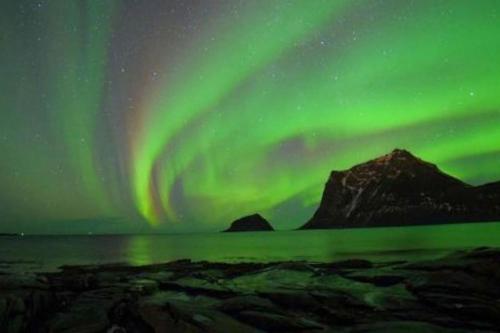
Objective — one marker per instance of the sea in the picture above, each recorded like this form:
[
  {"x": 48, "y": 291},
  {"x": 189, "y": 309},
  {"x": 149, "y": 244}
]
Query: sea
[{"x": 35, "y": 253}]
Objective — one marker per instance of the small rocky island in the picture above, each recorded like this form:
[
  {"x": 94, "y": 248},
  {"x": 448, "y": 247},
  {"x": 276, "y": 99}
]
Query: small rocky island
[
  {"x": 400, "y": 189},
  {"x": 254, "y": 222}
]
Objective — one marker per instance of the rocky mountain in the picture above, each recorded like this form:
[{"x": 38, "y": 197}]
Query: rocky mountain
[
  {"x": 401, "y": 189},
  {"x": 253, "y": 222}
]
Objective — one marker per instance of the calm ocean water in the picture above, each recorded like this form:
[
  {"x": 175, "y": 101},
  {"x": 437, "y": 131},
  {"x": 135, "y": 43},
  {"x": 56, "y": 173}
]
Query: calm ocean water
[{"x": 43, "y": 253}]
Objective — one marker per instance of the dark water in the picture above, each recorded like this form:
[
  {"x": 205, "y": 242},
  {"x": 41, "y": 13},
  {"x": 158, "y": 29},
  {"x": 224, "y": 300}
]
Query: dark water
[{"x": 42, "y": 253}]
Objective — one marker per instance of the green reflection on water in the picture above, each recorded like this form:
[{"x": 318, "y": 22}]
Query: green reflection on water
[
  {"x": 139, "y": 250},
  {"x": 317, "y": 245}
]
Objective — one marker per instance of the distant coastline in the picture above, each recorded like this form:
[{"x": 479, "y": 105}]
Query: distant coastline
[{"x": 3, "y": 234}]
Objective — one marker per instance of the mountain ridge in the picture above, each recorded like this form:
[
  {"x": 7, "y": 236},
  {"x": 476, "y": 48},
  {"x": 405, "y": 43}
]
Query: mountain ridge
[{"x": 400, "y": 188}]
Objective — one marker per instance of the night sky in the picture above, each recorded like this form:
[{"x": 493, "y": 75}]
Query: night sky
[{"x": 183, "y": 115}]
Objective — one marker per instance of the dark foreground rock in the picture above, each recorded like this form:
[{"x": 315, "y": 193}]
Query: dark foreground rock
[
  {"x": 456, "y": 293},
  {"x": 400, "y": 189},
  {"x": 253, "y": 222}
]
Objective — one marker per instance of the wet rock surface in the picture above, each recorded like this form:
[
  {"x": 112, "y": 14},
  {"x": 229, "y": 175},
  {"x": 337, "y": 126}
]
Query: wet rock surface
[{"x": 456, "y": 293}]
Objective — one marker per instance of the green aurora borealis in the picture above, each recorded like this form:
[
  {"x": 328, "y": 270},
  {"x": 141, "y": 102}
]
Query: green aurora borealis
[{"x": 120, "y": 116}]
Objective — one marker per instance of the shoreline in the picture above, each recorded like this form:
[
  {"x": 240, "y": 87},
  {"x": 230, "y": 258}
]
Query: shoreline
[
  {"x": 24, "y": 266},
  {"x": 216, "y": 231},
  {"x": 454, "y": 293}
]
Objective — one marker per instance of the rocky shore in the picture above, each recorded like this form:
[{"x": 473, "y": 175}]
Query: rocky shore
[{"x": 456, "y": 293}]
